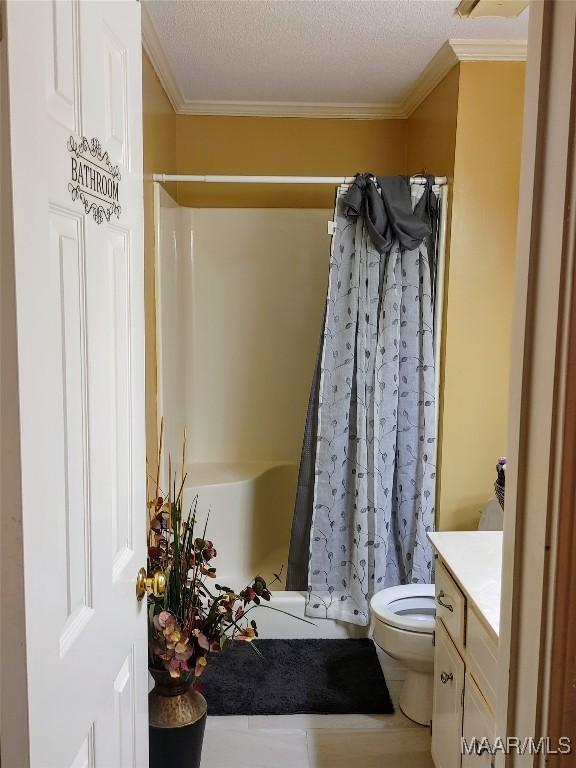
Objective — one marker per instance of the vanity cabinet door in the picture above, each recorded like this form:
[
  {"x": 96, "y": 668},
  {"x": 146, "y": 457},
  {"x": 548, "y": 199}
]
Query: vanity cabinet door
[
  {"x": 450, "y": 605},
  {"x": 482, "y": 657},
  {"x": 448, "y": 692},
  {"x": 478, "y": 728}
]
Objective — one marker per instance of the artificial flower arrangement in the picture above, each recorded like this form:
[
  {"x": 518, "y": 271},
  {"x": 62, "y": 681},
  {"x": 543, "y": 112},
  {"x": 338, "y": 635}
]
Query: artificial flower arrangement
[{"x": 196, "y": 617}]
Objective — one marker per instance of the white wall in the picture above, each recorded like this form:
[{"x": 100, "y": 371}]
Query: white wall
[{"x": 239, "y": 319}]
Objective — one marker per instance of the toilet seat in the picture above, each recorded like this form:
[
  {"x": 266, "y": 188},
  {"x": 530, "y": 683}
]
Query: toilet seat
[{"x": 410, "y": 607}]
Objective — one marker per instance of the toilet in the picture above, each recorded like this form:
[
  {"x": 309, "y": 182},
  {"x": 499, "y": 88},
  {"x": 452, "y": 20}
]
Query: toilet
[{"x": 403, "y": 621}]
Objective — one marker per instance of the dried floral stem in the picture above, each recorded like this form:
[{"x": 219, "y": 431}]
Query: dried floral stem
[
  {"x": 181, "y": 487},
  {"x": 169, "y": 492},
  {"x": 184, "y": 438},
  {"x": 160, "y": 442}
]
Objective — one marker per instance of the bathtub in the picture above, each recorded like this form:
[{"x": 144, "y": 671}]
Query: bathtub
[{"x": 249, "y": 509}]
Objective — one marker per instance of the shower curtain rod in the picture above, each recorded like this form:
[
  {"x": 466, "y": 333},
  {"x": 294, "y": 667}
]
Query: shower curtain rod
[{"x": 214, "y": 179}]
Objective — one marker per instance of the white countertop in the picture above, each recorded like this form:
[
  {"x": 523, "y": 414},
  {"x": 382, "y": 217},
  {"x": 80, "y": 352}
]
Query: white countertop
[{"x": 474, "y": 558}]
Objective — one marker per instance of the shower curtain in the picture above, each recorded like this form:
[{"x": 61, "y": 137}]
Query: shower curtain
[{"x": 366, "y": 491}]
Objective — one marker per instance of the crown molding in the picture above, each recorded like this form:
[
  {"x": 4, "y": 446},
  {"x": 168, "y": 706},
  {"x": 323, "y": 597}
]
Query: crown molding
[
  {"x": 153, "y": 47},
  {"x": 452, "y": 52},
  {"x": 292, "y": 109},
  {"x": 436, "y": 71},
  {"x": 489, "y": 50}
]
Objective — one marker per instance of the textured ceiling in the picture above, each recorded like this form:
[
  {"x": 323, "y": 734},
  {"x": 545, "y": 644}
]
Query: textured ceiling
[{"x": 347, "y": 51}]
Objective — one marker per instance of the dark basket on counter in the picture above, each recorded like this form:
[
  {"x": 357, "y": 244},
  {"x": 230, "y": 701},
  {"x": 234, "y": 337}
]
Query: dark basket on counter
[
  {"x": 500, "y": 484},
  {"x": 499, "y": 491}
]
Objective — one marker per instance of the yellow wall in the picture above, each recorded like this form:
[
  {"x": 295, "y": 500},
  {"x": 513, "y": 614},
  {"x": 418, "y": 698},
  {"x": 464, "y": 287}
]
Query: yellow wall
[
  {"x": 431, "y": 148},
  {"x": 278, "y": 146},
  {"x": 431, "y": 129},
  {"x": 159, "y": 127},
  {"x": 479, "y": 289}
]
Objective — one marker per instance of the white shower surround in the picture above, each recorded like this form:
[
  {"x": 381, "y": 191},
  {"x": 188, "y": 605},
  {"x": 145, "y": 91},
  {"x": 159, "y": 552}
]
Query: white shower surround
[
  {"x": 239, "y": 494},
  {"x": 231, "y": 492}
]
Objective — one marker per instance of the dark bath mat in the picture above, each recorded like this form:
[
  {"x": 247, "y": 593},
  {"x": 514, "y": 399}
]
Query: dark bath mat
[{"x": 326, "y": 677}]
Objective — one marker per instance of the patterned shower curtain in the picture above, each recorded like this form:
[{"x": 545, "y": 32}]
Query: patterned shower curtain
[{"x": 375, "y": 453}]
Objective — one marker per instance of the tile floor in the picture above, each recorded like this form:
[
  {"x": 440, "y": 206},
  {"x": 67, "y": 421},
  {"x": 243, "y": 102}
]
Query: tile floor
[{"x": 320, "y": 741}]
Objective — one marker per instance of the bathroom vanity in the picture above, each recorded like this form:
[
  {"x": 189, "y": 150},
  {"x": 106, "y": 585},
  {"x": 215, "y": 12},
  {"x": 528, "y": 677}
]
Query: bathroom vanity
[{"x": 468, "y": 583}]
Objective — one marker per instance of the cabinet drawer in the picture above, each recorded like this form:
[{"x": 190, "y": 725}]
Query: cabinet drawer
[
  {"x": 448, "y": 690},
  {"x": 450, "y": 605},
  {"x": 478, "y": 726},
  {"x": 482, "y": 655}
]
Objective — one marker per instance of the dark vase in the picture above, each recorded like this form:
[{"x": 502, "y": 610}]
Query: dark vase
[{"x": 177, "y": 717}]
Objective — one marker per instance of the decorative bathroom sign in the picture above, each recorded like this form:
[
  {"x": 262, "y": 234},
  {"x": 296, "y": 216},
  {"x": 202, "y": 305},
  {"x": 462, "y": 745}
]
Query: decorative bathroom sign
[{"x": 94, "y": 180}]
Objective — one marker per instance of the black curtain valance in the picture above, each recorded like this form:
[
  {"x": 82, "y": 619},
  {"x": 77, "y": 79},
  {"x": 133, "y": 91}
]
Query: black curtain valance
[{"x": 386, "y": 204}]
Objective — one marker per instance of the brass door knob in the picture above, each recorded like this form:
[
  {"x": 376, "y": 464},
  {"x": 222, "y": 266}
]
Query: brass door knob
[{"x": 155, "y": 585}]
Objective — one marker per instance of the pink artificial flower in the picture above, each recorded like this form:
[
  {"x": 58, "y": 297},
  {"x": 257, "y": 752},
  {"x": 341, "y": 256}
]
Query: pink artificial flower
[
  {"x": 203, "y": 641},
  {"x": 174, "y": 668},
  {"x": 165, "y": 619}
]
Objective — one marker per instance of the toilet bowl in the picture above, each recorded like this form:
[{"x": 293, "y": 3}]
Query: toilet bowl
[{"x": 403, "y": 621}]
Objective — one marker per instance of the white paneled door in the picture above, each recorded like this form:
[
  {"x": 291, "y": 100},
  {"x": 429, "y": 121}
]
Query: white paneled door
[{"x": 74, "y": 72}]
